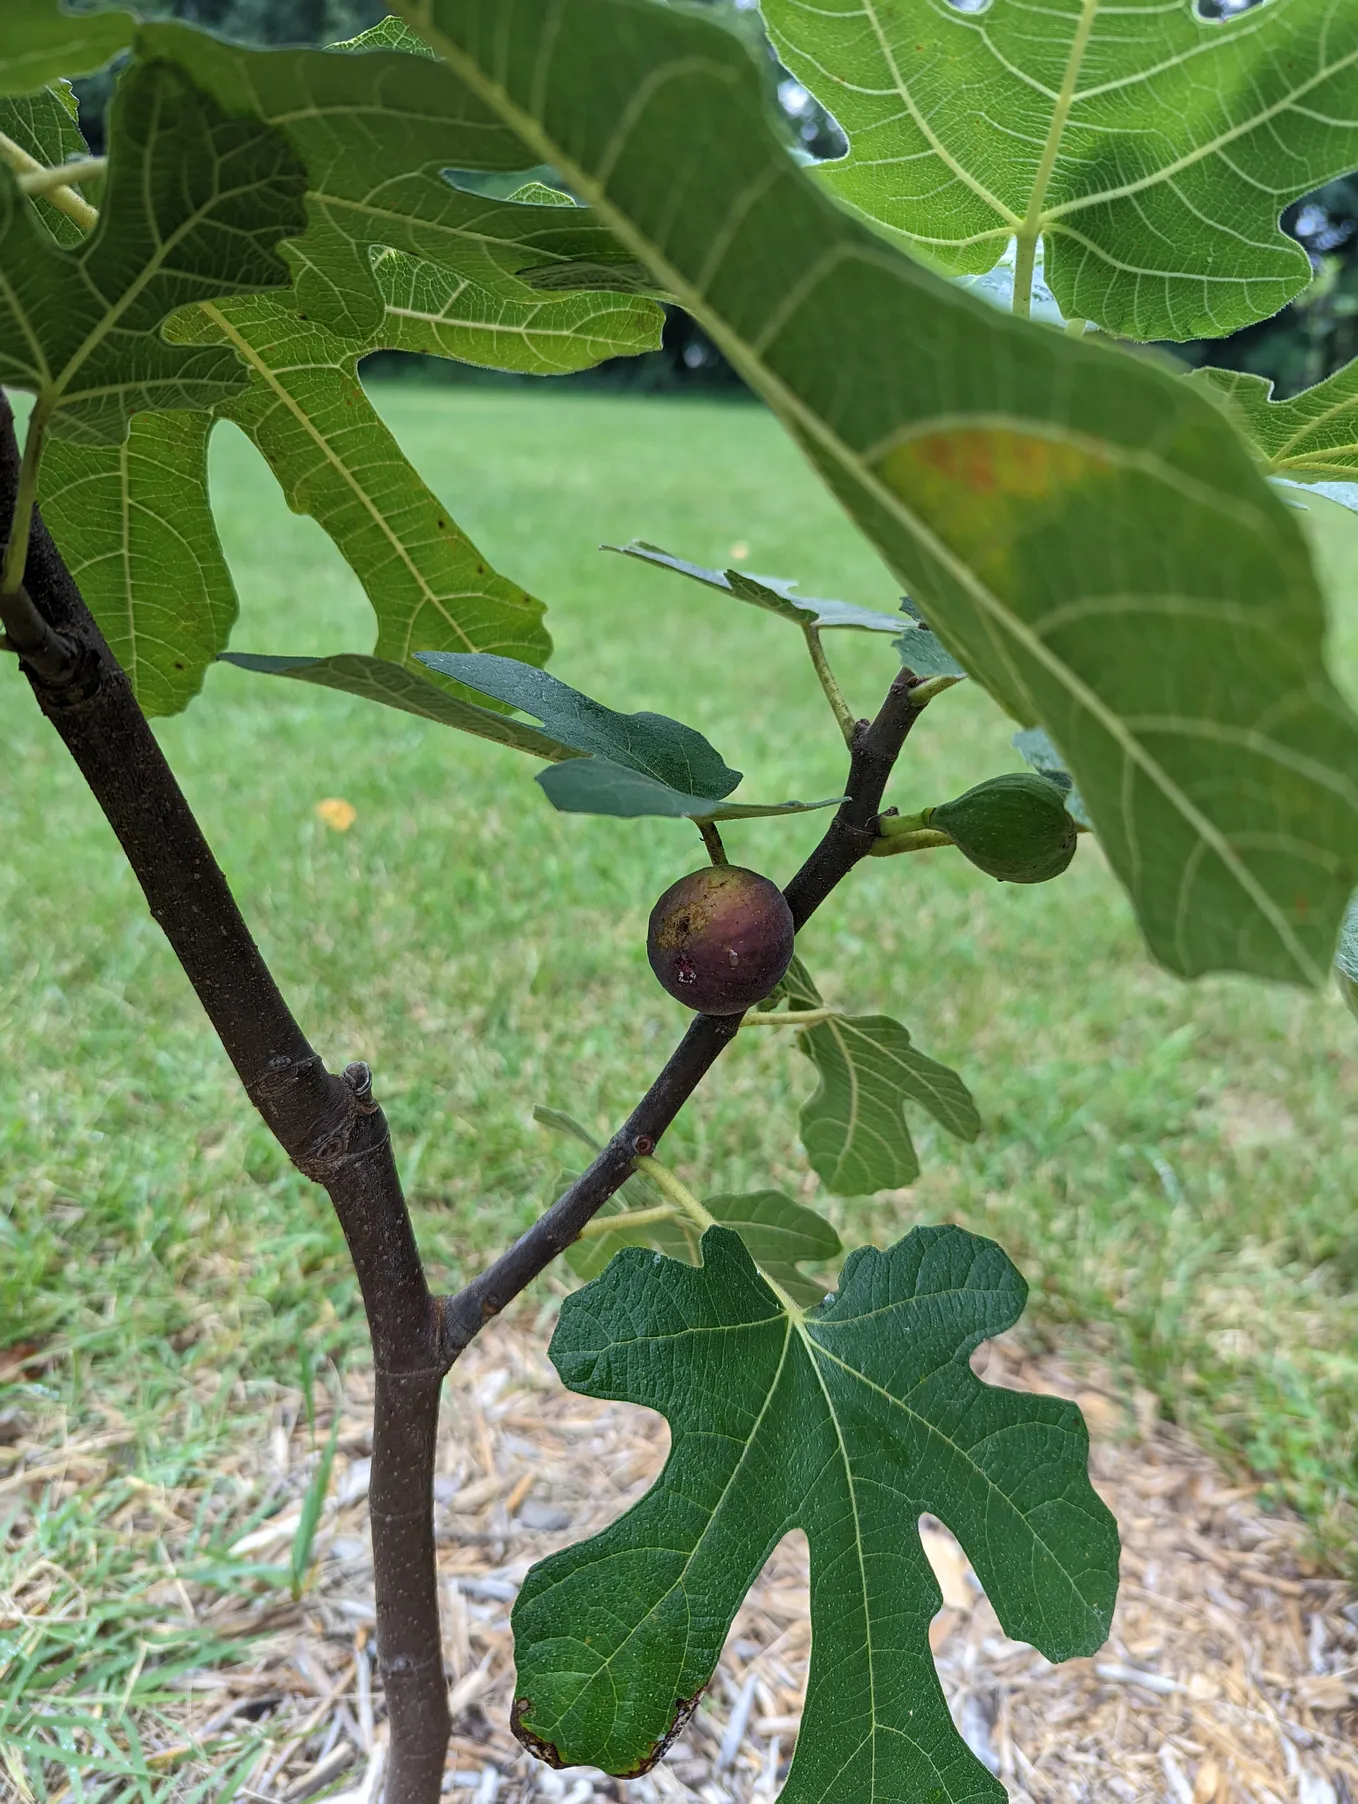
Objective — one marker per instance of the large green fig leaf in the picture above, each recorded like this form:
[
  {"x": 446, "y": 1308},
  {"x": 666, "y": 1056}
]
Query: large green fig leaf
[
  {"x": 135, "y": 525},
  {"x": 847, "y": 1422},
  {"x": 195, "y": 206},
  {"x": 1083, "y": 531},
  {"x": 310, "y": 416},
  {"x": 1150, "y": 148},
  {"x": 854, "y": 1126},
  {"x": 41, "y": 43},
  {"x": 132, "y": 520},
  {"x": 1312, "y": 438},
  {"x": 376, "y": 127}
]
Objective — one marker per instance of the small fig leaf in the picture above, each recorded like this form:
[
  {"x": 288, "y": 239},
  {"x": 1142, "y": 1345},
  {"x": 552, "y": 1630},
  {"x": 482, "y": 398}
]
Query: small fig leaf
[
  {"x": 598, "y": 786},
  {"x": 379, "y": 680},
  {"x": 773, "y": 593},
  {"x": 653, "y": 744},
  {"x": 1034, "y": 746},
  {"x": 854, "y": 1127}
]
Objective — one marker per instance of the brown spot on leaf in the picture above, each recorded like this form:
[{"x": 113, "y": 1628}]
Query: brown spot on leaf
[{"x": 549, "y": 1753}]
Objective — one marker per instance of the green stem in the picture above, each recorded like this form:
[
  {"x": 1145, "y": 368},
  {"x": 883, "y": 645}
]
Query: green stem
[
  {"x": 1076, "y": 328},
  {"x": 1025, "y": 260},
  {"x": 669, "y": 1185},
  {"x": 833, "y": 693},
  {"x": 891, "y": 826},
  {"x": 888, "y": 845},
  {"x": 53, "y": 183},
  {"x": 628, "y": 1218},
  {"x": 807, "y": 1017},
  {"x": 63, "y": 175},
  {"x": 16, "y": 549},
  {"x": 716, "y": 851}
]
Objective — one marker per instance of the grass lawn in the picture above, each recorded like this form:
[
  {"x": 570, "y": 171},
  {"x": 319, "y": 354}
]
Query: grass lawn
[{"x": 1172, "y": 1166}]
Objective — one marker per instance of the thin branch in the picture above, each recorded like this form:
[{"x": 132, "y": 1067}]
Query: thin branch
[
  {"x": 329, "y": 1126},
  {"x": 848, "y": 839}
]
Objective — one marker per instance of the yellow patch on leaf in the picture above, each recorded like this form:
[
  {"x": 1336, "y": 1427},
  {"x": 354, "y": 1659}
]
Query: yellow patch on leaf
[{"x": 980, "y": 487}]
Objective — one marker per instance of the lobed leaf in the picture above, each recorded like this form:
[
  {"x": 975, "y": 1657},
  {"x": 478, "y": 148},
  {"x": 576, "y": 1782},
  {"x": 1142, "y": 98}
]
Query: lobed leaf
[
  {"x": 1085, "y": 532},
  {"x": 135, "y": 525},
  {"x": 1153, "y": 149},
  {"x": 196, "y": 204},
  {"x": 847, "y": 1423},
  {"x": 308, "y": 413},
  {"x": 43, "y": 43},
  {"x": 1310, "y": 439},
  {"x": 377, "y": 127},
  {"x": 854, "y": 1126},
  {"x": 773, "y": 593}
]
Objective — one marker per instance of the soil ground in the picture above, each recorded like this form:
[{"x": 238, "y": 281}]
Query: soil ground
[{"x": 1231, "y": 1676}]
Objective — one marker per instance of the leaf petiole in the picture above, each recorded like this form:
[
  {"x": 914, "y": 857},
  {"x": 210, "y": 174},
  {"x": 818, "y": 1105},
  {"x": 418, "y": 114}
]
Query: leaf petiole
[
  {"x": 53, "y": 182},
  {"x": 809, "y": 1017},
  {"x": 678, "y": 1192},
  {"x": 716, "y": 851},
  {"x": 921, "y": 839},
  {"x": 21, "y": 522},
  {"x": 628, "y": 1218},
  {"x": 664, "y": 1180},
  {"x": 833, "y": 693}
]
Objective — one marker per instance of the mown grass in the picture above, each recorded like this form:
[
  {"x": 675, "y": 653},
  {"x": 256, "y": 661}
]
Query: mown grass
[{"x": 1172, "y": 1165}]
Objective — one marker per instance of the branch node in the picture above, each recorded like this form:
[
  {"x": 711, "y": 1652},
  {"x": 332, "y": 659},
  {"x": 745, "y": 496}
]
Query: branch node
[
  {"x": 358, "y": 1075},
  {"x": 643, "y": 1146}
]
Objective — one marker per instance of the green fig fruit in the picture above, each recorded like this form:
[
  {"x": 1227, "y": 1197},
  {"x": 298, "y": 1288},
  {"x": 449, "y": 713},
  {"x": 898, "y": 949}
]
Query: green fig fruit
[
  {"x": 720, "y": 939},
  {"x": 1014, "y": 828}
]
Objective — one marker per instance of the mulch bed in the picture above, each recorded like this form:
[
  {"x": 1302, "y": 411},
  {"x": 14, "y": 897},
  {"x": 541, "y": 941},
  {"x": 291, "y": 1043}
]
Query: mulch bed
[{"x": 1231, "y": 1676}]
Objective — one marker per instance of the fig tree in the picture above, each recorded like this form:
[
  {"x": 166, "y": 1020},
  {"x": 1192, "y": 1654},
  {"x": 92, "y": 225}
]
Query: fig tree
[
  {"x": 720, "y": 939},
  {"x": 1014, "y": 827}
]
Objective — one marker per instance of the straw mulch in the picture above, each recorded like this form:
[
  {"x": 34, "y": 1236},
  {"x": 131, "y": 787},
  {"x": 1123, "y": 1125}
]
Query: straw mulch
[{"x": 1231, "y": 1676}]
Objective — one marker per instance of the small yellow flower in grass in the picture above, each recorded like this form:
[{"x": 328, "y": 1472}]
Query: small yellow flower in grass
[
  {"x": 740, "y": 551},
  {"x": 337, "y": 813}
]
